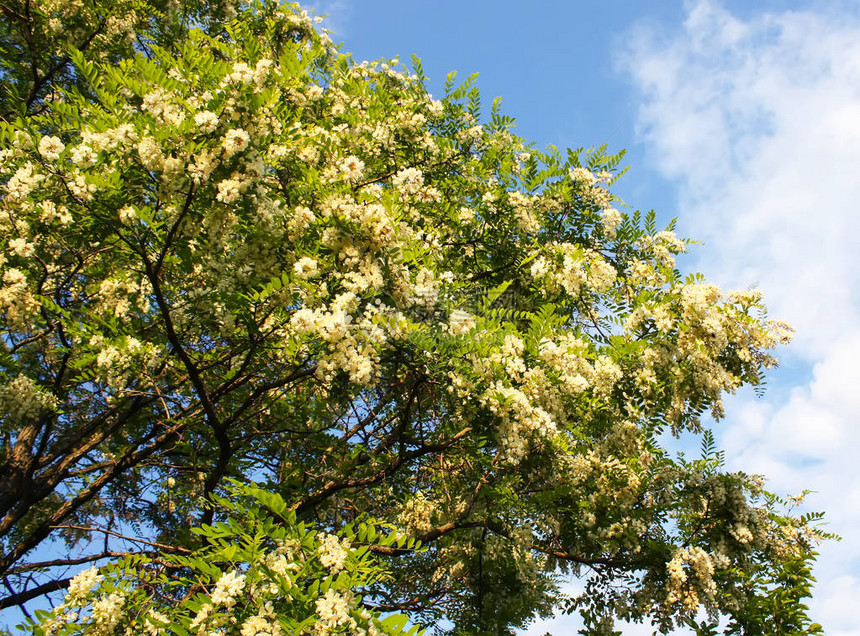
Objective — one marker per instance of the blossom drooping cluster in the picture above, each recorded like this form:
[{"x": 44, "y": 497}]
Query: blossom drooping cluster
[
  {"x": 690, "y": 576},
  {"x": 21, "y": 401},
  {"x": 333, "y": 552},
  {"x": 227, "y": 588}
]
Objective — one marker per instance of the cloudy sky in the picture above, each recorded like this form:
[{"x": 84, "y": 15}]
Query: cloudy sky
[{"x": 740, "y": 118}]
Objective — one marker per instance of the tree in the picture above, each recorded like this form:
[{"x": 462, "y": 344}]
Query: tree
[{"x": 232, "y": 253}]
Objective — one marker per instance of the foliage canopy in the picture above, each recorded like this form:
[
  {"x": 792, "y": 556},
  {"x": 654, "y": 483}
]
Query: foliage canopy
[{"x": 442, "y": 359}]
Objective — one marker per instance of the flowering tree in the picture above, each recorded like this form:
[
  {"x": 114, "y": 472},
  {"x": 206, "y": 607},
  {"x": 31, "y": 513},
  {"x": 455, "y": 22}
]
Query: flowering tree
[{"x": 231, "y": 252}]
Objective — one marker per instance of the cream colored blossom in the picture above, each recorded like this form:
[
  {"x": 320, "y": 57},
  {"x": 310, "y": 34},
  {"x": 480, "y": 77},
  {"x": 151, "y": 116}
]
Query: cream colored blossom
[
  {"x": 262, "y": 624},
  {"x": 470, "y": 134},
  {"x": 228, "y": 587},
  {"x": 22, "y": 183},
  {"x": 202, "y": 616},
  {"x": 583, "y": 176},
  {"x": 127, "y": 215},
  {"x": 426, "y": 288},
  {"x": 520, "y": 421},
  {"x": 306, "y": 267},
  {"x": 302, "y": 217},
  {"x": 229, "y": 190},
  {"x": 107, "y": 611},
  {"x": 22, "y": 247},
  {"x": 83, "y": 156},
  {"x": 352, "y": 168},
  {"x": 150, "y": 154},
  {"x": 332, "y": 552},
  {"x": 21, "y": 400},
  {"x": 16, "y": 298},
  {"x": 333, "y": 609},
  {"x": 465, "y": 215},
  {"x": 51, "y": 147},
  {"x": 435, "y": 107},
  {"x": 82, "y": 584},
  {"x": 262, "y": 69},
  {"x": 308, "y": 154},
  {"x": 611, "y": 219},
  {"x": 156, "y": 623},
  {"x": 242, "y": 74},
  {"x": 203, "y": 163},
  {"x": 206, "y": 121},
  {"x": 460, "y": 322},
  {"x": 417, "y": 515},
  {"x": 690, "y": 578},
  {"x": 408, "y": 180},
  {"x": 235, "y": 140}
]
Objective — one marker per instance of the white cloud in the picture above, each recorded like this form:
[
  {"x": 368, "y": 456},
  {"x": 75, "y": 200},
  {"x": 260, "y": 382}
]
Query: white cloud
[
  {"x": 757, "y": 120},
  {"x": 809, "y": 440}
]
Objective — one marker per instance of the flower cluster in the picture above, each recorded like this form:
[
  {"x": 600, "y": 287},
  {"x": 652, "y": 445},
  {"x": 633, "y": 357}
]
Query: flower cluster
[
  {"x": 690, "y": 577},
  {"x": 22, "y": 400},
  {"x": 333, "y": 552}
]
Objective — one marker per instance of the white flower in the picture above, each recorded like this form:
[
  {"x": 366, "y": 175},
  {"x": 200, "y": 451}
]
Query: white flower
[
  {"x": 242, "y": 74},
  {"x": 50, "y": 148},
  {"x": 150, "y": 154},
  {"x": 352, "y": 168},
  {"x": 155, "y": 622},
  {"x": 306, "y": 267},
  {"x": 408, "y": 180},
  {"x": 236, "y": 140},
  {"x": 417, "y": 515},
  {"x": 333, "y": 608},
  {"x": 469, "y": 134},
  {"x": 83, "y": 583},
  {"x": 22, "y": 182},
  {"x": 22, "y": 400},
  {"x": 202, "y": 616},
  {"x": 206, "y": 121},
  {"x": 127, "y": 215},
  {"x": 261, "y": 70},
  {"x": 611, "y": 219},
  {"x": 460, "y": 322},
  {"x": 465, "y": 215},
  {"x": 539, "y": 267},
  {"x": 742, "y": 534},
  {"x": 229, "y": 190},
  {"x": 332, "y": 553},
  {"x": 435, "y": 108},
  {"x": 83, "y": 156},
  {"x": 583, "y": 175},
  {"x": 260, "y": 626},
  {"x": 227, "y": 588},
  {"x": 308, "y": 154},
  {"x": 107, "y": 612},
  {"x": 22, "y": 247},
  {"x": 426, "y": 288}
]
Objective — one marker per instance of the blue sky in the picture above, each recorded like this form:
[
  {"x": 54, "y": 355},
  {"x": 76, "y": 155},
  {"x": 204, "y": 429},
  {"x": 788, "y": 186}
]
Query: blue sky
[{"x": 743, "y": 120}]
